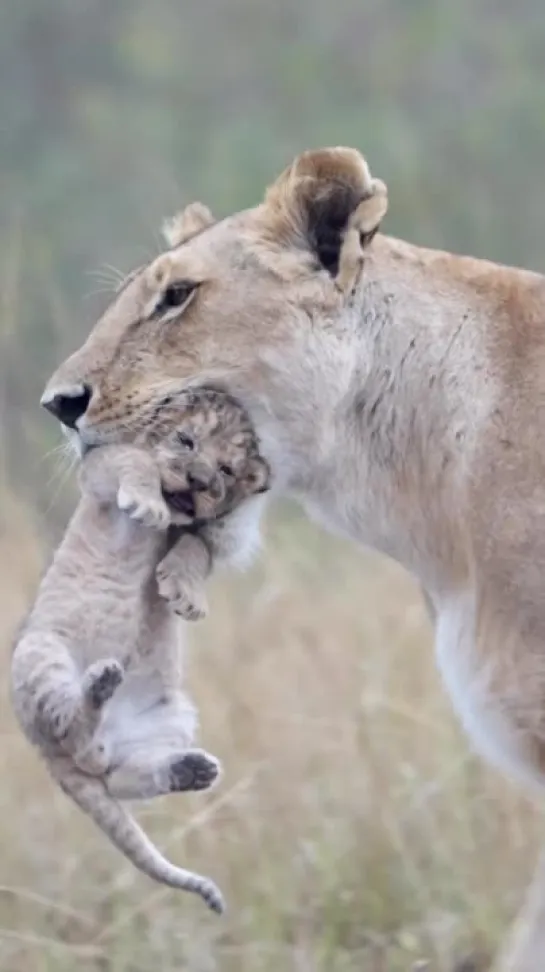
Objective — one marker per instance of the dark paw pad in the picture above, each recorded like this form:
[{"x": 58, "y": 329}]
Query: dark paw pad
[
  {"x": 193, "y": 771},
  {"x": 104, "y": 685}
]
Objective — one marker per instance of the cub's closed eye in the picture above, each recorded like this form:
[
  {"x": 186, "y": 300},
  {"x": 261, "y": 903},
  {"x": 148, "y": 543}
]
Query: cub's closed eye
[
  {"x": 185, "y": 440},
  {"x": 176, "y": 295}
]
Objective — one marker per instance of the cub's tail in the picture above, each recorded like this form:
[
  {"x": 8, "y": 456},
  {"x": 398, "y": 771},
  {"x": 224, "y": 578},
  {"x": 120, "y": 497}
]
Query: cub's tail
[{"x": 91, "y": 796}]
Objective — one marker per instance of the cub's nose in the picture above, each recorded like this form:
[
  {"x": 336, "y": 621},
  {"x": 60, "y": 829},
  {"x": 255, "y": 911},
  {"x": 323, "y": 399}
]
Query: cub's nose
[
  {"x": 68, "y": 404},
  {"x": 199, "y": 476}
]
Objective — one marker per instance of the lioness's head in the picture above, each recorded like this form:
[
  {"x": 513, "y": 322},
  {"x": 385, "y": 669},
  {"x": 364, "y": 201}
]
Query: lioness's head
[{"x": 257, "y": 303}]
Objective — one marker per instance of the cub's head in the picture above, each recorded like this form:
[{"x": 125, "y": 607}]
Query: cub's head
[
  {"x": 206, "y": 451},
  {"x": 254, "y": 303}
]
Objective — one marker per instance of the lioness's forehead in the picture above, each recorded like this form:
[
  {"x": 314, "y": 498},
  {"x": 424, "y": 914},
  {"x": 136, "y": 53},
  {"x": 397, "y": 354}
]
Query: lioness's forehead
[
  {"x": 238, "y": 244},
  {"x": 228, "y": 242},
  {"x": 226, "y": 247}
]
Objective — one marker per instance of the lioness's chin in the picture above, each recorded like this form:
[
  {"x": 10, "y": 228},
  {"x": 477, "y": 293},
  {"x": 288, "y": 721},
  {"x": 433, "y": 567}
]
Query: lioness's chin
[{"x": 74, "y": 441}]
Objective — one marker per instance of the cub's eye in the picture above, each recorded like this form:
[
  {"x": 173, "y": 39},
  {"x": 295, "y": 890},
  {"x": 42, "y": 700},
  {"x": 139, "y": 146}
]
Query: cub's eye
[
  {"x": 226, "y": 470},
  {"x": 185, "y": 440},
  {"x": 175, "y": 295}
]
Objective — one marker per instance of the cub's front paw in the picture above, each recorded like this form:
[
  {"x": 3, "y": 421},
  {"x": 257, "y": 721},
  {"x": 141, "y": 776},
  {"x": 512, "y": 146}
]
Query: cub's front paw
[
  {"x": 151, "y": 511},
  {"x": 186, "y": 599}
]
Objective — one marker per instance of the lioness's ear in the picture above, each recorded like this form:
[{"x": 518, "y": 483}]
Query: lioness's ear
[
  {"x": 187, "y": 223},
  {"x": 323, "y": 199}
]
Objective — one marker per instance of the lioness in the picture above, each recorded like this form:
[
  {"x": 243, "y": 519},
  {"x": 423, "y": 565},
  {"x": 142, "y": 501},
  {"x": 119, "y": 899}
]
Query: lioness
[
  {"x": 96, "y": 669},
  {"x": 399, "y": 392}
]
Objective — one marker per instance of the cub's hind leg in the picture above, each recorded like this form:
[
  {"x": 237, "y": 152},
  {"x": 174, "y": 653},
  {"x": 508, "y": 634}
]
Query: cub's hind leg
[
  {"x": 100, "y": 681},
  {"x": 149, "y": 737},
  {"x": 153, "y": 772},
  {"x": 55, "y": 704}
]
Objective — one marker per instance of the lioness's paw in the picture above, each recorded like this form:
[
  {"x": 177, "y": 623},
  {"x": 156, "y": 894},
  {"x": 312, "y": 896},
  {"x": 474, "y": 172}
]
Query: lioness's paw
[
  {"x": 187, "y": 600},
  {"x": 100, "y": 681},
  {"x": 151, "y": 511}
]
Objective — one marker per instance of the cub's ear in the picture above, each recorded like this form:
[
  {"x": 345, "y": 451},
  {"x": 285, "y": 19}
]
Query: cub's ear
[
  {"x": 187, "y": 223},
  {"x": 256, "y": 477},
  {"x": 327, "y": 199}
]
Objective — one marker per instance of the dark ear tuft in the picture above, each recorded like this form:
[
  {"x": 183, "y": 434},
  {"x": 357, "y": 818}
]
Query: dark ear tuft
[
  {"x": 314, "y": 201},
  {"x": 328, "y": 213}
]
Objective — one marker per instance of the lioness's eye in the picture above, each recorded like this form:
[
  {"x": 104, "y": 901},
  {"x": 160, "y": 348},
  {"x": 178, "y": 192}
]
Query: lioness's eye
[
  {"x": 185, "y": 440},
  {"x": 176, "y": 295}
]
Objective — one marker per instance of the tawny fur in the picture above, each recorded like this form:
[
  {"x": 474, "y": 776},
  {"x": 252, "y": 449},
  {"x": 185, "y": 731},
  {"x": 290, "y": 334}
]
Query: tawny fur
[
  {"x": 96, "y": 671},
  {"x": 404, "y": 407},
  {"x": 192, "y": 220}
]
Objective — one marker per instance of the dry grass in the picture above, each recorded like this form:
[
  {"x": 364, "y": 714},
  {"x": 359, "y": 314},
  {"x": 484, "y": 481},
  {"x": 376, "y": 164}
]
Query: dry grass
[{"x": 353, "y": 830}]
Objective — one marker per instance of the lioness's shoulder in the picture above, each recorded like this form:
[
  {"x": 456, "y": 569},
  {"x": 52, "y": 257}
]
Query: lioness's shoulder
[{"x": 503, "y": 293}]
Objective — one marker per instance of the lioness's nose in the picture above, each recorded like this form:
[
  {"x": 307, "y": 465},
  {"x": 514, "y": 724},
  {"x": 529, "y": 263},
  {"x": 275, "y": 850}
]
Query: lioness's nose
[{"x": 67, "y": 404}]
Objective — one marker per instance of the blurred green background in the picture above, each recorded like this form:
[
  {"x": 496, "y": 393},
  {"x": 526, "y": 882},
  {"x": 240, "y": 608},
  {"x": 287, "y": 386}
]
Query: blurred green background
[{"x": 370, "y": 837}]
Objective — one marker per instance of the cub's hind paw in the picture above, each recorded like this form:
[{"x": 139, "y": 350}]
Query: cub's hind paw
[
  {"x": 151, "y": 511},
  {"x": 185, "y": 599},
  {"x": 101, "y": 680},
  {"x": 195, "y": 770}
]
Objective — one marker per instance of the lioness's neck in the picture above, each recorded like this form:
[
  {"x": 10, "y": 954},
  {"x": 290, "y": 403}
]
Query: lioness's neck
[{"x": 388, "y": 423}]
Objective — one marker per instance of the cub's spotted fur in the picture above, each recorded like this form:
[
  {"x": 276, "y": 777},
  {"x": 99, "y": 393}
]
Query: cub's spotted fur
[{"x": 96, "y": 671}]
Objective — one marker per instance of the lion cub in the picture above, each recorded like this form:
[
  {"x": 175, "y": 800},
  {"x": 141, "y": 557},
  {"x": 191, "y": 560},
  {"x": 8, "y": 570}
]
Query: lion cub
[{"x": 96, "y": 670}]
